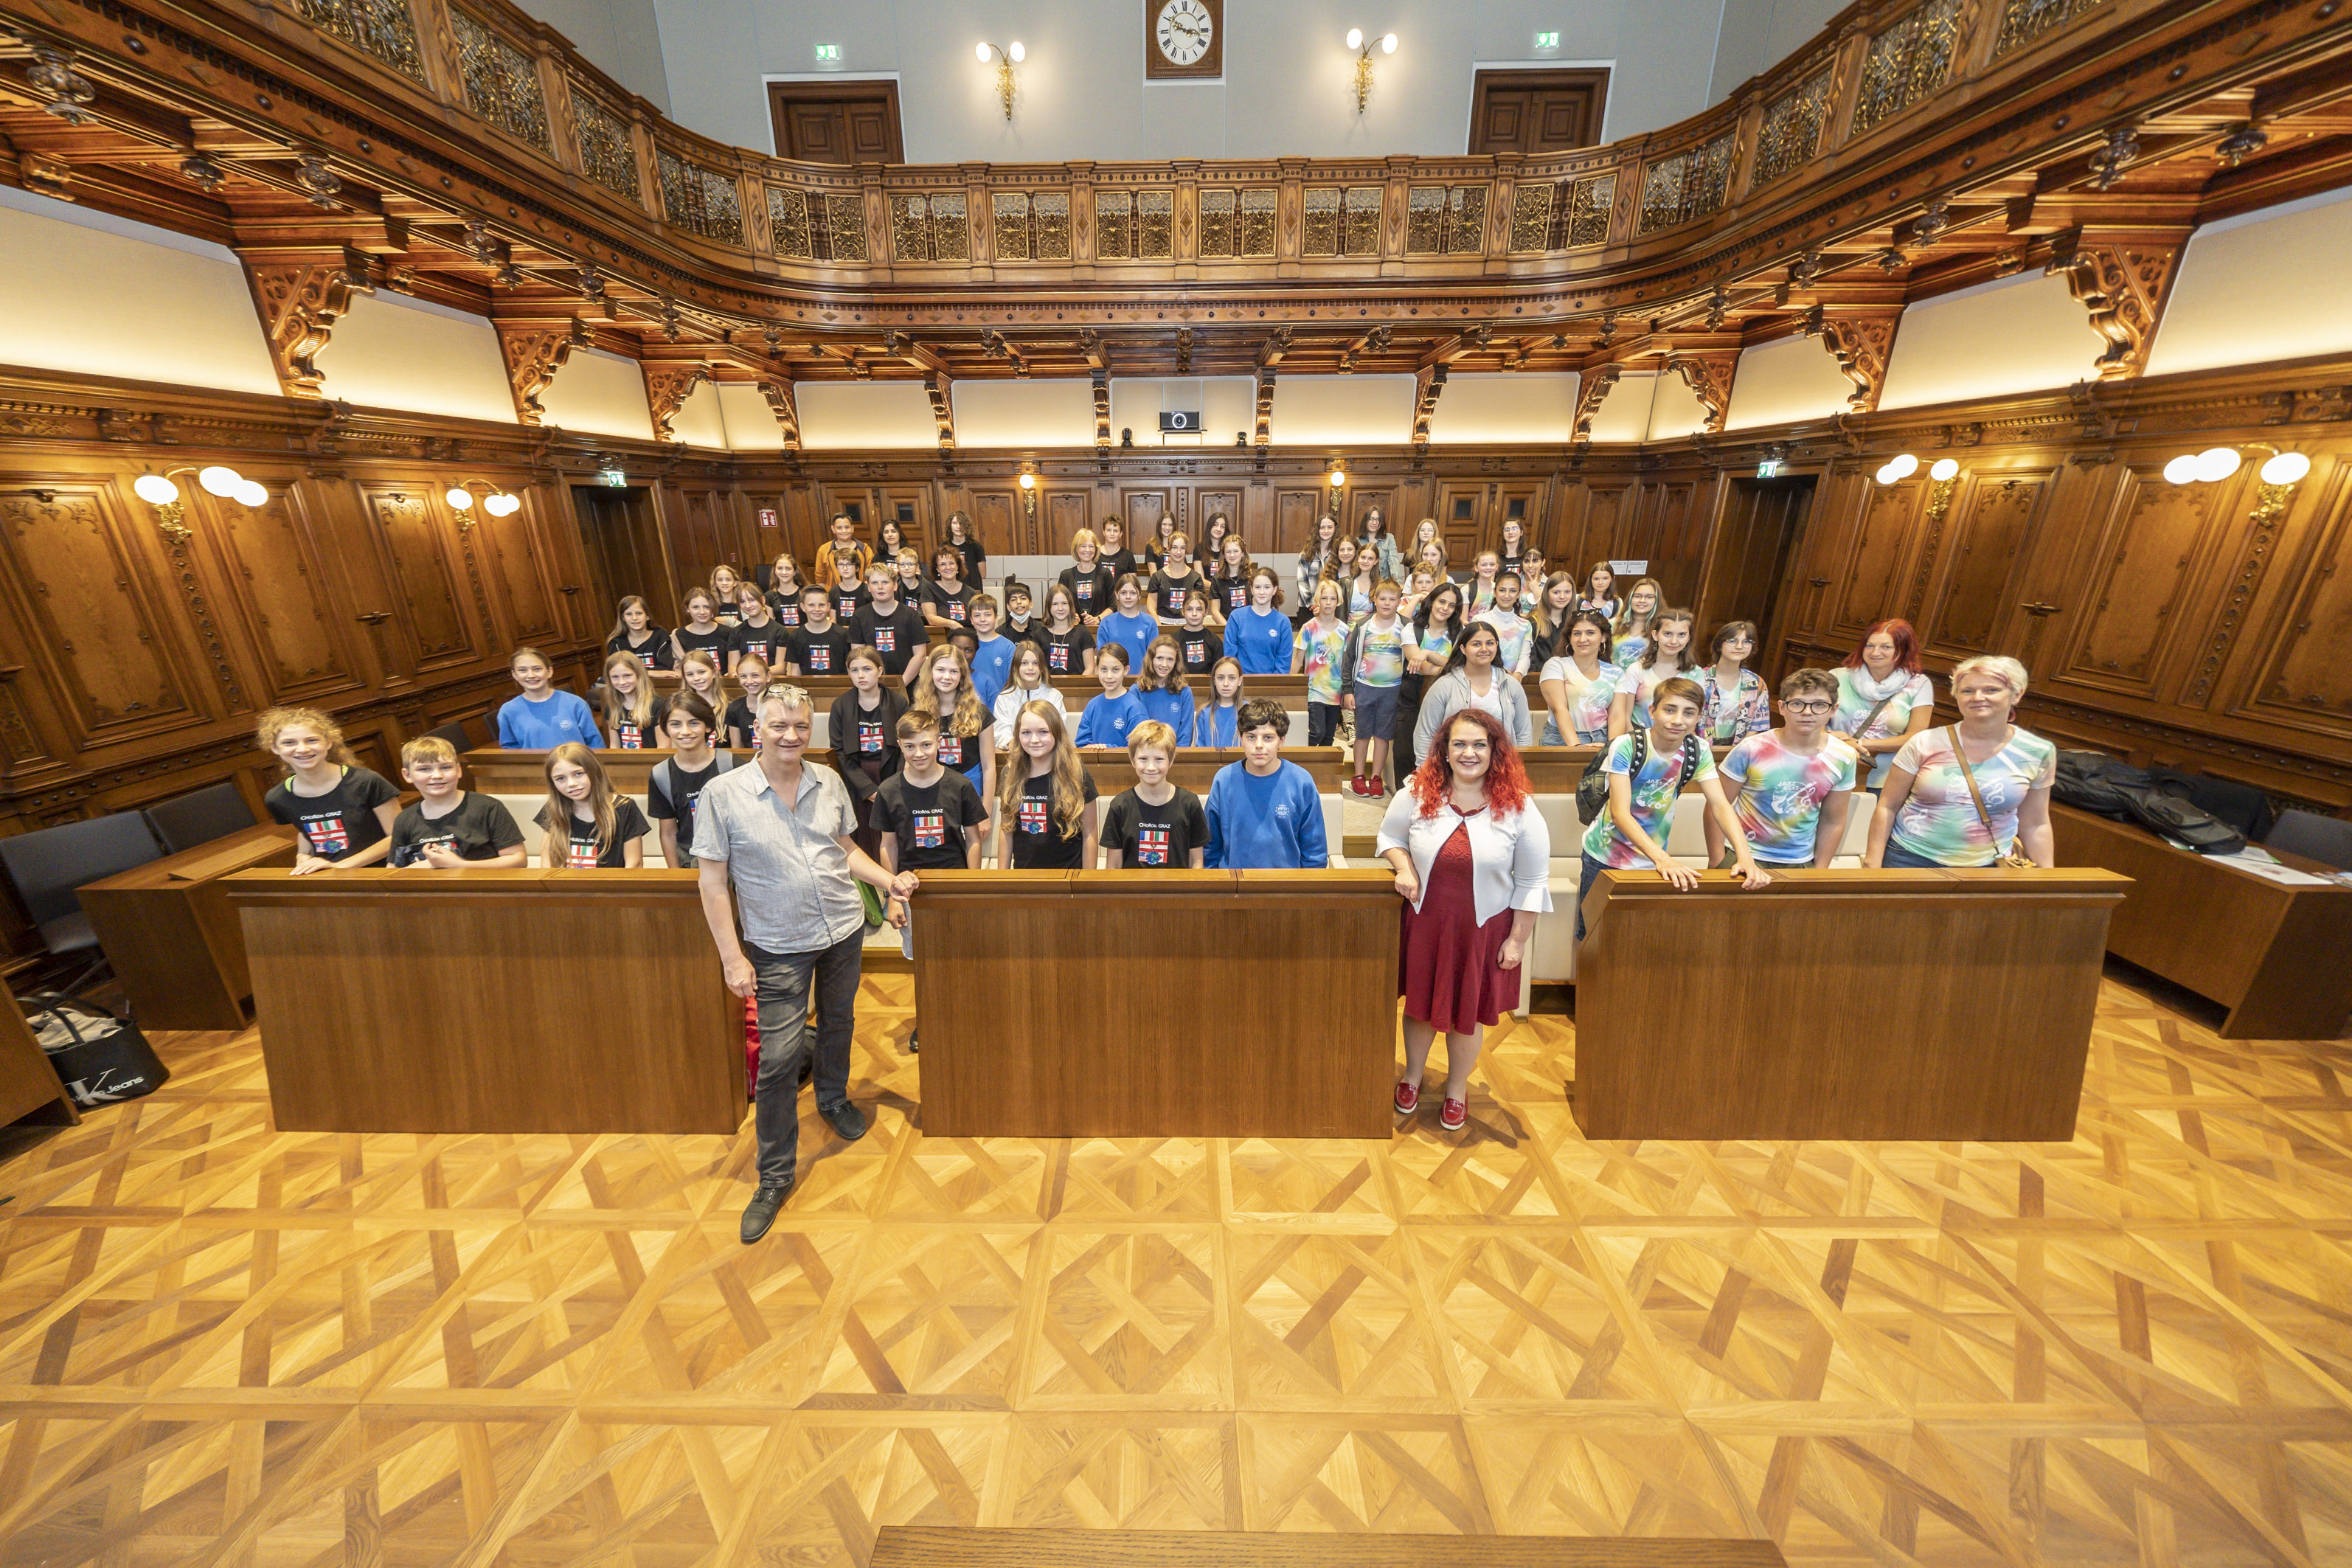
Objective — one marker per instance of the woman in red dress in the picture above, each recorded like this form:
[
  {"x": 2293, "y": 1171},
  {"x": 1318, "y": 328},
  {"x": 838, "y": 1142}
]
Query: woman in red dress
[{"x": 1473, "y": 860}]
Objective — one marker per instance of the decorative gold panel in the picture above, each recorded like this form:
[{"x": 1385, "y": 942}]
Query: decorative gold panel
[
  {"x": 1465, "y": 221},
  {"x": 845, "y": 214},
  {"x": 1586, "y": 213},
  {"x": 787, "y": 218},
  {"x": 698, "y": 199},
  {"x": 1531, "y": 218},
  {"x": 1155, "y": 225},
  {"x": 608, "y": 155},
  {"x": 1114, "y": 225},
  {"x": 1012, "y": 208},
  {"x": 1050, "y": 212},
  {"x": 501, "y": 80},
  {"x": 380, "y": 28},
  {"x": 1425, "y": 220},
  {"x": 1907, "y": 62},
  {"x": 1363, "y": 220},
  {"x": 950, "y": 233},
  {"x": 1322, "y": 221},
  {"x": 910, "y": 228},
  {"x": 1791, "y": 133},
  {"x": 2022, "y": 21},
  {"x": 1686, "y": 187},
  {"x": 1259, "y": 206},
  {"x": 1220, "y": 235}
]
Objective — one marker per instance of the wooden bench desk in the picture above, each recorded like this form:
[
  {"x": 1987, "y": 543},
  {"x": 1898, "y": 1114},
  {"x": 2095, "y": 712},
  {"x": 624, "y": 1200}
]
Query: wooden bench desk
[
  {"x": 169, "y": 931},
  {"x": 2278, "y": 957},
  {"x": 493, "y": 771},
  {"x": 490, "y": 1001},
  {"x": 1157, "y": 1003},
  {"x": 1841, "y": 1003}
]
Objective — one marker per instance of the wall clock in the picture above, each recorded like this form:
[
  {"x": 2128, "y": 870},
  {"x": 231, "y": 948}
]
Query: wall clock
[{"x": 1183, "y": 41}]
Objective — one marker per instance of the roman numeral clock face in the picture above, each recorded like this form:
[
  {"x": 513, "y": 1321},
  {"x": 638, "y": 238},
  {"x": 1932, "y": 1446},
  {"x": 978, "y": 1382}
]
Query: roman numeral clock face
[{"x": 1183, "y": 33}]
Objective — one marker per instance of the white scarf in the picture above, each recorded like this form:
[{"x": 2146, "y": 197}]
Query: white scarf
[{"x": 1873, "y": 691}]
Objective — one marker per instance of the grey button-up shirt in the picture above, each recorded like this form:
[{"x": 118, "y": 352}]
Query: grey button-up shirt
[{"x": 793, "y": 892}]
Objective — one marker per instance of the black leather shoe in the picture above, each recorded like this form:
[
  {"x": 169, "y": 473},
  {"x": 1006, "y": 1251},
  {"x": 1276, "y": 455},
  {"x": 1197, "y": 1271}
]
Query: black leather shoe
[
  {"x": 845, "y": 1120},
  {"x": 913, "y": 1044},
  {"x": 760, "y": 1212},
  {"x": 808, "y": 1070}
]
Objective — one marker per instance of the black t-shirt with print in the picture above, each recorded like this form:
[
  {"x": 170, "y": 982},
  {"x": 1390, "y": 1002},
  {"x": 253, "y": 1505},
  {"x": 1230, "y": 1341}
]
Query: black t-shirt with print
[
  {"x": 769, "y": 641},
  {"x": 865, "y": 740},
  {"x": 1066, "y": 652},
  {"x": 478, "y": 829},
  {"x": 929, "y": 821},
  {"x": 341, "y": 822},
  {"x": 654, "y": 650},
  {"x": 784, "y": 603},
  {"x": 1090, "y": 590},
  {"x": 955, "y": 603},
  {"x": 676, "y": 803},
  {"x": 628, "y": 823},
  {"x": 716, "y": 641},
  {"x": 821, "y": 653},
  {"x": 1169, "y": 592},
  {"x": 896, "y": 637},
  {"x": 1156, "y": 837},
  {"x": 1038, "y": 843},
  {"x": 1197, "y": 652}
]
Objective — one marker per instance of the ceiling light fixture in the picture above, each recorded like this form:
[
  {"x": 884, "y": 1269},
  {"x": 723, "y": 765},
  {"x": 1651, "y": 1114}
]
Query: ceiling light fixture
[{"x": 1005, "y": 59}]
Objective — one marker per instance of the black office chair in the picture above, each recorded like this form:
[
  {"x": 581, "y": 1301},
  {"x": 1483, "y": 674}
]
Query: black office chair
[
  {"x": 46, "y": 866},
  {"x": 2326, "y": 839},
  {"x": 455, "y": 734},
  {"x": 199, "y": 817}
]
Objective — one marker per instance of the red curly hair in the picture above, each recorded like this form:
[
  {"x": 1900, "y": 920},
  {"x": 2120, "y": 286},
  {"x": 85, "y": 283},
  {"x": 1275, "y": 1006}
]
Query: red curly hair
[
  {"x": 1905, "y": 641},
  {"x": 1507, "y": 780}
]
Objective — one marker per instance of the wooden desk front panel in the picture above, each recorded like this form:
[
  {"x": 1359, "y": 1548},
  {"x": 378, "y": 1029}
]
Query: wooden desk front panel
[
  {"x": 2279, "y": 958},
  {"x": 169, "y": 931},
  {"x": 1846, "y": 1004},
  {"x": 422, "y": 1001},
  {"x": 28, "y": 1084},
  {"x": 1172, "y": 1003}
]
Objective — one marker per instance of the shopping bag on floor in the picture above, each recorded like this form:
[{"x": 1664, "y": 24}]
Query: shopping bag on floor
[{"x": 99, "y": 1057}]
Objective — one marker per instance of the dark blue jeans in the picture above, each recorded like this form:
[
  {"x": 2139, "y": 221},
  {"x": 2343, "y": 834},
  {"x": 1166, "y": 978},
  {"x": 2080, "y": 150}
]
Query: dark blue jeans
[
  {"x": 785, "y": 979},
  {"x": 1899, "y": 858},
  {"x": 1593, "y": 868}
]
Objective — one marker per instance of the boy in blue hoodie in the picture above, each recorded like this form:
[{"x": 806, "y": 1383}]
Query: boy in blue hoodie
[{"x": 1264, "y": 812}]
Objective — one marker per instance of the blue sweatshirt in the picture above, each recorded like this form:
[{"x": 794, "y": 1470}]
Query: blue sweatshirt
[
  {"x": 1275, "y": 821},
  {"x": 1134, "y": 633},
  {"x": 1173, "y": 709},
  {"x": 1261, "y": 641},
  {"x": 1216, "y": 726},
  {"x": 1108, "y": 720},
  {"x": 991, "y": 666},
  {"x": 527, "y": 726}
]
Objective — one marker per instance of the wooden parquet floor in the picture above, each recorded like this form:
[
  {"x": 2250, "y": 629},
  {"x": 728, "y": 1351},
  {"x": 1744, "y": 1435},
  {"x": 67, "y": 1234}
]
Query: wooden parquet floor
[{"x": 221, "y": 1344}]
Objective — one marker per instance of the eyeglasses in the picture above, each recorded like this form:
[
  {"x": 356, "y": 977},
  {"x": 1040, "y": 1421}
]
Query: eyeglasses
[{"x": 1807, "y": 707}]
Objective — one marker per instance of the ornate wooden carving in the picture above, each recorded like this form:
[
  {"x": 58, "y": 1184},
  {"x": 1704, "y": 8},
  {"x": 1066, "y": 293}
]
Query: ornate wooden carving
[
  {"x": 667, "y": 387},
  {"x": 90, "y": 627},
  {"x": 1861, "y": 343},
  {"x": 1708, "y": 375},
  {"x": 2122, "y": 283},
  {"x": 1595, "y": 386},
  {"x": 301, "y": 300},
  {"x": 534, "y": 352},
  {"x": 778, "y": 391},
  {"x": 934, "y": 387},
  {"x": 1427, "y": 386},
  {"x": 1101, "y": 386}
]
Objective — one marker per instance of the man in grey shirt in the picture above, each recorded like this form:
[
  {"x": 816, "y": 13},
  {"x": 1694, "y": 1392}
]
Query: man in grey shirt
[{"x": 780, "y": 832}]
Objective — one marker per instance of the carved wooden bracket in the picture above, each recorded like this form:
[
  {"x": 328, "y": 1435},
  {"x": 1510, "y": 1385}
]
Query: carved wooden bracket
[
  {"x": 2123, "y": 284},
  {"x": 1264, "y": 407},
  {"x": 1101, "y": 379},
  {"x": 778, "y": 391},
  {"x": 934, "y": 387},
  {"x": 1710, "y": 376},
  {"x": 1426, "y": 387},
  {"x": 534, "y": 352},
  {"x": 1861, "y": 343},
  {"x": 667, "y": 387},
  {"x": 1591, "y": 389},
  {"x": 301, "y": 300}
]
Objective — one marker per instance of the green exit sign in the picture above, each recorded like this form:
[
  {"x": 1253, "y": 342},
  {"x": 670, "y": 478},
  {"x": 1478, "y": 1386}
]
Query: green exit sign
[
  {"x": 830, "y": 52},
  {"x": 1547, "y": 40}
]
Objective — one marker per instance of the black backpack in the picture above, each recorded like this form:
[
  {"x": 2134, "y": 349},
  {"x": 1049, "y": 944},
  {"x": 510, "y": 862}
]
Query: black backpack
[
  {"x": 2170, "y": 816},
  {"x": 1592, "y": 786},
  {"x": 2096, "y": 783}
]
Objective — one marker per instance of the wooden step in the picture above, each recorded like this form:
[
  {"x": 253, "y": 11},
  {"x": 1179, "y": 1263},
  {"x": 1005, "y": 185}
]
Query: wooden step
[{"x": 905, "y": 1547}]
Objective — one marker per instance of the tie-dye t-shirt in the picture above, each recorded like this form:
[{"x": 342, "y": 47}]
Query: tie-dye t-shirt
[
  {"x": 1653, "y": 790},
  {"x": 1940, "y": 821},
  {"x": 1853, "y": 707},
  {"x": 1515, "y": 633},
  {"x": 1733, "y": 714},
  {"x": 1323, "y": 643},
  {"x": 1779, "y": 793},
  {"x": 1380, "y": 653},
  {"x": 1588, "y": 700},
  {"x": 1638, "y": 680},
  {"x": 1628, "y": 648}
]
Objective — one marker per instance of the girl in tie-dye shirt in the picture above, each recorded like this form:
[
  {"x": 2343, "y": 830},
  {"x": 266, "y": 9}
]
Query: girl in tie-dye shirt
[{"x": 1737, "y": 703}]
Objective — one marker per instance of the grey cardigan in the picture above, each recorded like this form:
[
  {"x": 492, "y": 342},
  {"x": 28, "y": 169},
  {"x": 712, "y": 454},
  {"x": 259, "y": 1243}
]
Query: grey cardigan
[{"x": 1450, "y": 693}]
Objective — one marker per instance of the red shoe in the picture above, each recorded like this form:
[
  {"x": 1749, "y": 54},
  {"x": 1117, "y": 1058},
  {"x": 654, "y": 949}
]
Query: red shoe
[
  {"x": 1451, "y": 1115},
  {"x": 1407, "y": 1097},
  {"x": 1356, "y": 786}
]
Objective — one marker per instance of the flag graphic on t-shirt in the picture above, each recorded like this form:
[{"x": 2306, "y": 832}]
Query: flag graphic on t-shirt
[
  {"x": 952, "y": 750},
  {"x": 1176, "y": 600},
  {"x": 930, "y": 830},
  {"x": 632, "y": 739},
  {"x": 955, "y": 610},
  {"x": 1085, "y": 590},
  {"x": 1196, "y": 650},
  {"x": 329, "y": 836},
  {"x": 583, "y": 856},
  {"x": 788, "y": 615},
  {"x": 1151, "y": 846},
  {"x": 1057, "y": 659},
  {"x": 845, "y": 604},
  {"x": 820, "y": 657},
  {"x": 886, "y": 639},
  {"x": 869, "y": 734},
  {"x": 1033, "y": 813}
]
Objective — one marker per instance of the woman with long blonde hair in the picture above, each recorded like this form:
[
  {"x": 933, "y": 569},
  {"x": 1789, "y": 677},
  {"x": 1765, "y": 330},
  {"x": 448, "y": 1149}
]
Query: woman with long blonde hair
[
  {"x": 1046, "y": 817},
  {"x": 631, "y": 714},
  {"x": 585, "y": 825}
]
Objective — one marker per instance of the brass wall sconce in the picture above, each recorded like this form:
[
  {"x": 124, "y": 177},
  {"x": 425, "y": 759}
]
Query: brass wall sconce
[
  {"x": 171, "y": 517},
  {"x": 1363, "y": 48},
  {"x": 1943, "y": 474},
  {"x": 2280, "y": 473},
  {"x": 1005, "y": 58},
  {"x": 1029, "y": 494},
  {"x": 497, "y": 502}
]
